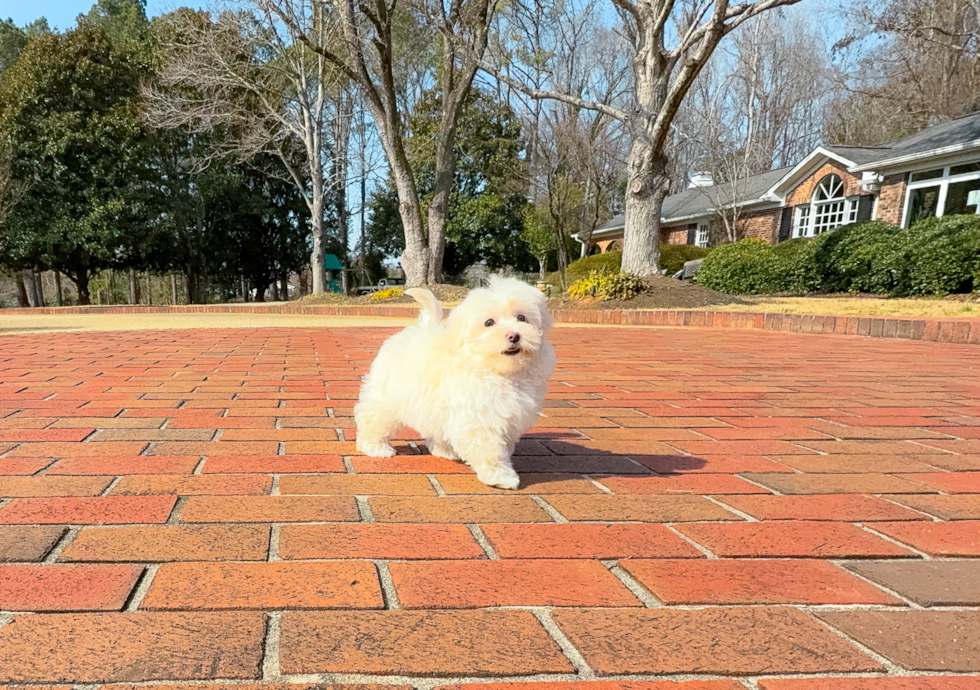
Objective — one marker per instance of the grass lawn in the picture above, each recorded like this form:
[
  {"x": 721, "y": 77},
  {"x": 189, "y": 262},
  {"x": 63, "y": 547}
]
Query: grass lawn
[{"x": 861, "y": 306}]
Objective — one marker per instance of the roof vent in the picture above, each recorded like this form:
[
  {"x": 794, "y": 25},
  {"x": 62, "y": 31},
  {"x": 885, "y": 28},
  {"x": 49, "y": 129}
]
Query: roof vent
[{"x": 701, "y": 179}]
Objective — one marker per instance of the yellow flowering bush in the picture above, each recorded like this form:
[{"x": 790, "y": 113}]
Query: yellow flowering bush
[
  {"x": 606, "y": 285},
  {"x": 387, "y": 293}
]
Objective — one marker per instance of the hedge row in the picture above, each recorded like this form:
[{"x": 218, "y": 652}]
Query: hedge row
[
  {"x": 937, "y": 256},
  {"x": 672, "y": 258}
]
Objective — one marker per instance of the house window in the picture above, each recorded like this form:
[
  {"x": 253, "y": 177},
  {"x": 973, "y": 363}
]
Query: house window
[
  {"x": 954, "y": 190},
  {"x": 803, "y": 221},
  {"x": 701, "y": 240},
  {"x": 828, "y": 209}
]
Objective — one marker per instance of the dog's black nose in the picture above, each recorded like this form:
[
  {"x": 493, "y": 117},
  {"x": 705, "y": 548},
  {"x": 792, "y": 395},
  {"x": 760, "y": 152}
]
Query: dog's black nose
[{"x": 514, "y": 337}]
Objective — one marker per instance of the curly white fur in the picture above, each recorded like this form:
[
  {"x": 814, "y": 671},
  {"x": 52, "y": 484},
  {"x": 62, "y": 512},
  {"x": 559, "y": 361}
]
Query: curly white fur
[{"x": 470, "y": 384}]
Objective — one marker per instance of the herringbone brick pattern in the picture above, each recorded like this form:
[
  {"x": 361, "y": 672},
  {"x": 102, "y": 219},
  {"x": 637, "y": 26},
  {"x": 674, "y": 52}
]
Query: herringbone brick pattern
[{"x": 700, "y": 510}]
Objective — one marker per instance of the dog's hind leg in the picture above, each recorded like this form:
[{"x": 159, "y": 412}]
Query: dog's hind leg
[
  {"x": 375, "y": 427},
  {"x": 441, "y": 449}
]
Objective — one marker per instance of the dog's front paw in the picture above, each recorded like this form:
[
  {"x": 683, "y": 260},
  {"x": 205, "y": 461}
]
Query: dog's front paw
[
  {"x": 376, "y": 450},
  {"x": 500, "y": 476}
]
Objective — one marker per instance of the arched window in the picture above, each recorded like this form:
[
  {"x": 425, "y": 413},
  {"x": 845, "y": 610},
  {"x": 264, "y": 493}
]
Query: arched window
[{"x": 828, "y": 208}]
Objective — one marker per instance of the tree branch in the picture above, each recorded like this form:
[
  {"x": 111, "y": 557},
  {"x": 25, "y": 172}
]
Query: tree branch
[{"x": 539, "y": 94}]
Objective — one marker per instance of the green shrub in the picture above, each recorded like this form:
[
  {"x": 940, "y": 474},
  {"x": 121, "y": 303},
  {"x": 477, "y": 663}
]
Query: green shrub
[
  {"x": 605, "y": 285},
  {"x": 795, "y": 266},
  {"x": 746, "y": 267},
  {"x": 609, "y": 262},
  {"x": 849, "y": 258},
  {"x": 673, "y": 256},
  {"x": 936, "y": 256}
]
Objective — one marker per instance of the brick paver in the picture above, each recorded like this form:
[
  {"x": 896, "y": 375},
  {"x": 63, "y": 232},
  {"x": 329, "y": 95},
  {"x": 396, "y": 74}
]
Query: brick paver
[{"x": 727, "y": 505}]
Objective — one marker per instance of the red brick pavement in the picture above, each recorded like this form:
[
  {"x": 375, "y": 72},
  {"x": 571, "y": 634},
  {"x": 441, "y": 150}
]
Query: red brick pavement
[{"x": 701, "y": 510}]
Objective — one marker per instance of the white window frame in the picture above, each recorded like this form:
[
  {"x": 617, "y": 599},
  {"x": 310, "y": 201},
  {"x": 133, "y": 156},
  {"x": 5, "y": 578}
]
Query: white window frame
[
  {"x": 826, "y": 214},
  {"x": 943, "y": 182},
  {"x": 702, "y": 236}
]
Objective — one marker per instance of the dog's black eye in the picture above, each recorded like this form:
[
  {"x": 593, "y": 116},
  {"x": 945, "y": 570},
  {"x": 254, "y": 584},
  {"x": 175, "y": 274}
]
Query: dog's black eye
[
  {"x": 520, "y": 317},
  {"x": 488, "y": 323}
]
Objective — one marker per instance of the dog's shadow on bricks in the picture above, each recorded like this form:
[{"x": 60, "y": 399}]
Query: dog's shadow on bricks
[{"x": 542, "y": 457}]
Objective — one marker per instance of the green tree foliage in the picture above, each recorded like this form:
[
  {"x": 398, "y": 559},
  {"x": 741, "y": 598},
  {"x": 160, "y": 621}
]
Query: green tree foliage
[
  {"x": 13, "y": 39},
  {"x": 486, "y": 211},
  {"x": 124, "y": 22},
  {"x": 68, "y": 114}
]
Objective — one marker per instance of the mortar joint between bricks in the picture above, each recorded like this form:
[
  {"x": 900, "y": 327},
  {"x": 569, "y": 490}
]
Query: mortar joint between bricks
[
  {"x": 690, "y": 541},
  {"x": 174, "y": 517},
  {"x": 108, "y": 489},
  {"x": 568, "y": 649},
  {"x": 348, "y": 465},
  {"x": 388, "y": 592},
  {"x": 364, "y": 509},
  {"x": 908, "y": 547},
  {"x": 271, "y": 671},
  {"x": 634, "y": 586},
  {"x": 275, "y": 531},
  {"x": 891, "y": 667},
  {"x": 483, "y": 541},
  {"x": 136, "y": 597},
  {"x": 721, "y": 503},
  {"x": 436, "y": 485},
  {"x": 274, "y": 489},
  {"x": 61, "y": 544},
  {"x": 597, "y": 485},
  {"x": 549, "y": 509}
]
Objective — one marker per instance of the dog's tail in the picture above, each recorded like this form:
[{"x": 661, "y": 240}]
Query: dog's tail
[{"x": 431, "y": 309}]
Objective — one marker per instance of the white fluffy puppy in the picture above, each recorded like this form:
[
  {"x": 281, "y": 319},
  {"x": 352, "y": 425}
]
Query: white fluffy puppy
[{"x": 471, "y": 385}]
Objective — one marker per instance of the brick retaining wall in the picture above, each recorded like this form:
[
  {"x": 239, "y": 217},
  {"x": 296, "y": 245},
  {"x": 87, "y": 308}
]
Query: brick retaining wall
[{"x": 965, "y": 331}]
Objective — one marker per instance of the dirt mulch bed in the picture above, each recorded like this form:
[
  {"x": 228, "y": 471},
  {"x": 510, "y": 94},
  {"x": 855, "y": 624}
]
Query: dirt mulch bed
[
  {"x": 661, "y": 293},
  {"x": 447, "y": 294}
]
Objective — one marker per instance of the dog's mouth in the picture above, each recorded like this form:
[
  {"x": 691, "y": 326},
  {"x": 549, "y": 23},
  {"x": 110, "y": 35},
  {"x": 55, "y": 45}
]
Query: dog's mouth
[{"x": 511, "y": 351}]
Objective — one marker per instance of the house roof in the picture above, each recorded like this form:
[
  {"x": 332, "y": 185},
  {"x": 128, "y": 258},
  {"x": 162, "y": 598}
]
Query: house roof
[
  {"x": 960, "y": 134},
  {"x": 702, "y": 201}
]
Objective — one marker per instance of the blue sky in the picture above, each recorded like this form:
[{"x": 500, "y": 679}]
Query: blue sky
[{"x": 61, "y": 13}]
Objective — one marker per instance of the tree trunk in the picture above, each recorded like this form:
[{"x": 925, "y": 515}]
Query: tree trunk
[
  {"x": 339, "y": 153},
  {"x": 275, "y": 290},
  {"x": 415, "y": 258},
  {"x": 23, "y": 299},
  {"x": 244, "y": 290},
  {"x": 543, "y": 261},
  {"x": 81, "y": 282},
  {"x": 38, "y": 288},
  {"x": 445, "y": 175},
  {"x": 133, "y": 297},
  {"x": 318, "y": 257},
  {"x": 188, "y": 289},
  {"x": 173, "y": 288},
  {"x": 149, "y": 290},
  {"x": 645, "y": 193},
  {"x": 284, "y": 288},
  {"x": 59, "y": 297}
]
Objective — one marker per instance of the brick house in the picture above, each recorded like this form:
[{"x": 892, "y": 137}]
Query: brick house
[{"x": 934, "y": 172}]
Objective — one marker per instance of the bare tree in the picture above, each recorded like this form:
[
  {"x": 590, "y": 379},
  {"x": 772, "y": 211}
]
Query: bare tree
[
  {"x": 368, "y": 51},
  {"x": 670, "y": 42},
  {"x": 247, "y": 73},
  {"x": 757, "y": 105},
  {"x": 917, "y": 63}
]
